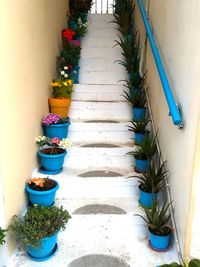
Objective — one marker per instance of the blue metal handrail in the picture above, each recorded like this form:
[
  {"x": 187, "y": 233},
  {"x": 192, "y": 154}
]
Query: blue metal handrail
[{"x": 174, "y": 111}]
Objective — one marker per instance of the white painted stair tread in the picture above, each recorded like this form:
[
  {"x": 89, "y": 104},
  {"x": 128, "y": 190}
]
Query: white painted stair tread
[
  {"x": 91, "y": 41},
  {"x": 99, "y": 64},
  {"x": 96, "y": 88}
]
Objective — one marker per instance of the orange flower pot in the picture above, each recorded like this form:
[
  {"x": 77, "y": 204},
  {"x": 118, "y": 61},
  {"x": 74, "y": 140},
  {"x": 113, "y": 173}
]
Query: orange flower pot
[{"x": 59, "y": 106}]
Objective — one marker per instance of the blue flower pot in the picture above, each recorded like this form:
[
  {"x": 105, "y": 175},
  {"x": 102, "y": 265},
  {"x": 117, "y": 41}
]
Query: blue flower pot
[
  {"x": 42, "y": 198},
  {"x": 76, "y": 74},
  {"x": 139, "y": 114},
  {"x": 159, "y": 243},
  {"x": 141, "y": 165},
  {"x": 73, "y": 25},
  {"x": 45, "y": 250},
  {"x": 146, "y": 198},
  {"x": 51, "y": 163},
  {"x": 56, "y": 130},
  {"x": 139, "y": 137}
]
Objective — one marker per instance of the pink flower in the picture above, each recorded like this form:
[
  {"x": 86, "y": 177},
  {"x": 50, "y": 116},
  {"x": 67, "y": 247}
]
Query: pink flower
[{"x": 55, "y": 140}]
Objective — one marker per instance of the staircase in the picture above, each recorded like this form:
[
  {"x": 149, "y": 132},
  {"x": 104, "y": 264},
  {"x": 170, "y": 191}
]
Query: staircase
[{"x": 94, "y": 187}]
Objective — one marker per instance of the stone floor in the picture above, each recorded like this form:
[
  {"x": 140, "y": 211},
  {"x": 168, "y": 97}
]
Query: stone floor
[{"x": 94, "y": 187}]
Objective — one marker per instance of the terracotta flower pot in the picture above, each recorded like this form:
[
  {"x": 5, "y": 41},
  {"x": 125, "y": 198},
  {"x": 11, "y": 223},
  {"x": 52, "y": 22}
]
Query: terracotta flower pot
[{"x": 59, "y": 106}]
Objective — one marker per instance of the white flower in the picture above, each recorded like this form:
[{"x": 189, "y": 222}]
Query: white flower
[
  {"x": 65, "y": 75},
  {"x": 65, "y": 143},
  {"x": 65, "y": 68},
  {"x": 62, "y": 72}
]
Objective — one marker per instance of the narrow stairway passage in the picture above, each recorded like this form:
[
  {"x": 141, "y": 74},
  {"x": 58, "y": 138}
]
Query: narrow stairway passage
[{"x": 103, "y": 239}]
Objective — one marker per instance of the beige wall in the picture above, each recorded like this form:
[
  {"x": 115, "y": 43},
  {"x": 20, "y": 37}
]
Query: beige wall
[
  {"x": 30, "y": 41},
  {"x": 175, "y": 26}
]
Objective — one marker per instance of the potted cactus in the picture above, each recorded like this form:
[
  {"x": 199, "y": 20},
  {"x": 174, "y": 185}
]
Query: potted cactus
[
  {"x": 159, "y": 230},
  {"x": 42, "y": 191},
  {"x": 52, "y": 153},
  {"x": 137, "y": 98},
  {"x": 37, "y": 231},
  {"x": 144, "y": 153},
  {"x": 150, "y": 183},
  {"x": 139, "y": 129}
]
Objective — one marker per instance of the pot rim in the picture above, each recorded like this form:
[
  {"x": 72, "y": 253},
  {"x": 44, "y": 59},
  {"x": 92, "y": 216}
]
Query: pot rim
[
  {"x": 56, "y": 125},
  {"x": 166, "y": 235},
  {"x": 52, "y": 156},
  {"x": 46, "y": 192}
]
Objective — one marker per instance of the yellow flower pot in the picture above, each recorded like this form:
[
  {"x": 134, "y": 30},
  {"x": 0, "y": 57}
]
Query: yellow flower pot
[{"x": 59, "y": 106}]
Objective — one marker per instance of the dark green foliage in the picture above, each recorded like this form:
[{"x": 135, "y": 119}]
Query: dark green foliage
[
  {"x": 146, "y": 150},
  {"x": 139, "y": 126},
  {"x": 157, "y": 219},
  {"x": 38, "y": 223},
  {"x": 2, "y": 236},
  {"x": 192, "y": 263},
  {"x": 154, "y": 179},
  {"x": 137, "y": 98},
  {"x": 71, "y": 53},
  {"x": 80, "y": 6}
]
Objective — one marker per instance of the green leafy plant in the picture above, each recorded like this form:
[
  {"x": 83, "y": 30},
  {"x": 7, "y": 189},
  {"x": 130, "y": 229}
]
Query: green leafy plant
[
  {"x": 38, "y": 223},
  {"x": 146, "y": 150},
  {"x": 191, "y": 263},
  {"x": 80, "y": 6},
  {"x": 139, "y": 126},
  {"x": 71, "y": 53},
  {"x": 137, "y": 98},
  {"x": 62, "y": 88},
  {"x": 2, "y": 236},
  {"x": 157, "y": 219},
  {"x": 154, "y": 179}
]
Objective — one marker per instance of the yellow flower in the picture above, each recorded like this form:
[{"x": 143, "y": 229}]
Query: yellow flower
[
  {"x": 65, "y": 83},
  {"x": 55, "y": 84},
  {"x": 69, "y": 82}
]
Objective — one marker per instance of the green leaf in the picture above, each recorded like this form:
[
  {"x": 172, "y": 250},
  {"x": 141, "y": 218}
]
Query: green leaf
[{"x": 194, "y": 263}]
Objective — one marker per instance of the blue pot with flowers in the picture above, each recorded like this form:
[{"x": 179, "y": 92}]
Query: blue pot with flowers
[
  {"x": 42, "y": 191},
  {"x": 55, "y": 126},
  {"x": 52, "y": 153},
  {"x": 75, "y": 74}
]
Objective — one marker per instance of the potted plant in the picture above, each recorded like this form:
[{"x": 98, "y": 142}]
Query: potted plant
[
  {"x": 191, "y": 263},
  {"x": 139, "y": 129},
  {"x": 71, "y": 54},
  {"x": 54, "y": 125},
  {"x": 52, "y": 155},
  {"x": 137, "y": 98},
  {"x": 159, "y": 229},
  {"x": 42, "y": 191},
  {"x": 144, "y": 153},
  {"x": 37, "y": 231},
  {"x": 60, "y": 102},
  {"x": 80, "y": 7},
  {"x": 70, "y": 36},
  {"x": 150, "y": 184},
  {"x": 2, "y": 236}
]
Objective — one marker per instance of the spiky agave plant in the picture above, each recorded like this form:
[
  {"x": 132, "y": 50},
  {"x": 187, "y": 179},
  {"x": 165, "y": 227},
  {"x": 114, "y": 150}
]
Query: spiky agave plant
[
  {"x": 137, "y": 98},
  {"x": 157, "y": 219},
  {"x": 154, "y": 179},
  {"x": 139, "y": 126},
  {"x": 146, "y": 150}
]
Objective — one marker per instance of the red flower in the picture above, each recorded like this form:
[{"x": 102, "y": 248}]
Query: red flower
[
  {"x": 68, "y": 34},
  {"x": 70, "y": 67}
]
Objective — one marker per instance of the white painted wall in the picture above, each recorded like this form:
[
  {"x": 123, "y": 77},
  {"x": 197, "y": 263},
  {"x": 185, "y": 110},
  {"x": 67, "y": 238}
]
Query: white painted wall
[{"x": 175, "y": 26}]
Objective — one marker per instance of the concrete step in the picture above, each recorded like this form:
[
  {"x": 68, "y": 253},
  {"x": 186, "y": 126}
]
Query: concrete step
[
  {"x": 100, "y": 133},
  {"x": 100, "y": 64},
  {"x": 106, "y": 52},
  {"x": 99, "y": 18},
  {"x": 82, "y": 159},
  {"x": 101, "y": 77},
  {"x": 102, "y": 42},
  {"x": 85, "y": 111}
]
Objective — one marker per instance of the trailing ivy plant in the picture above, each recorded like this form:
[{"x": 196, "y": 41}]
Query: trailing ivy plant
[
  {"x": 2, "y": 236},
  {"x": 39, "y": 222}
]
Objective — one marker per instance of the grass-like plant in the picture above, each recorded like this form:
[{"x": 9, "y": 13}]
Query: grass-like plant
[
  {"x": 2, "y": 236},
  {"x": 157, "y": 219},
  {"x": 38, "y": 223},
  {"x": 154, "y": 179}
]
